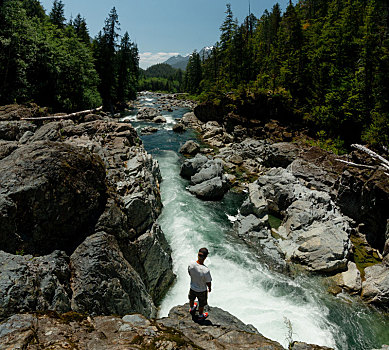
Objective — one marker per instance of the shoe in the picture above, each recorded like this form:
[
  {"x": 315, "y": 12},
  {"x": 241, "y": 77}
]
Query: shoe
[
  {"x": 193, "y": 309},
  {"x": 203, "y": 316}
]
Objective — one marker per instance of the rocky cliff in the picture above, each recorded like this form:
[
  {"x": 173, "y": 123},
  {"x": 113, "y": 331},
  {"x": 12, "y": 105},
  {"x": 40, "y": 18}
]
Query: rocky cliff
[{"x": 78, "y": 201}]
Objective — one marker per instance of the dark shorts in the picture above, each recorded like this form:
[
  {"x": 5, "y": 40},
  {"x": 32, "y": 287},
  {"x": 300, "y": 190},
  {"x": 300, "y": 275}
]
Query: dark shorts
[{"x": 201, "y": 296}]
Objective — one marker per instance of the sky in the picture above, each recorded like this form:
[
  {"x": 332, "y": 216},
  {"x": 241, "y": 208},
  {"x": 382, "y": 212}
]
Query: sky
[{"x": 164, "y": 28}]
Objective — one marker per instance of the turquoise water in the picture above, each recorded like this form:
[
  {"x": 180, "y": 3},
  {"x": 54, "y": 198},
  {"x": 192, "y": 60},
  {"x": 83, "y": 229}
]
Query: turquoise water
[{"x": 242, "y": 284}]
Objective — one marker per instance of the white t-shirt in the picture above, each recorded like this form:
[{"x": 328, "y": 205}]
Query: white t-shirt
[{"x": 199, "y": 276}]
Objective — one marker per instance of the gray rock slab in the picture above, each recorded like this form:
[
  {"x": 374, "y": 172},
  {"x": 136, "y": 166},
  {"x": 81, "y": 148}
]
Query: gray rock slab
[
  {"x": 212, "y": 169},
  {"x": 375, "y": 287},
  {"x": 51, "y": 196},
  {"x": 220, "y": 331},
  {"x": 14, "y": 130},
  {"x": 213, "y": 189},
  {"x": 190, "y": 147},
  {"x": 192, "y": 166},
  {"x": 314, "y": 232},
  {"x": 150, "y": 255},
  {"x": 280, "y": 154},
  {"x": 34, "y": 284},
  {"x": 103, "y": 281}
]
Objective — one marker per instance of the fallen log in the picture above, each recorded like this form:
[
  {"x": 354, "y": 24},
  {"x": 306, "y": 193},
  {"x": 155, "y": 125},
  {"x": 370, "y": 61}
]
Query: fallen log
[
  {"x": 356, "y": 165},
  {"x": 384, "y": 162},
  {"x": 66, "y": 116}
]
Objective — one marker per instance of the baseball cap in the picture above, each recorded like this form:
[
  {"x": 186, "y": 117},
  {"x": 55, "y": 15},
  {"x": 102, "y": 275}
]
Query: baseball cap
[{"x": 203, "y": 251}]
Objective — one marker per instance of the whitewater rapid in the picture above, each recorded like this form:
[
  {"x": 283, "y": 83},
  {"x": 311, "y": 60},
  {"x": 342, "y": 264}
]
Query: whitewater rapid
[{"x": 241, "y": 285}]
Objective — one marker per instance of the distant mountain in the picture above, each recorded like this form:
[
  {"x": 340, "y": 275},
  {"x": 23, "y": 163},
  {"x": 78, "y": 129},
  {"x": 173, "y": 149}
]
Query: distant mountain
[{"x": 180, "y": 62}]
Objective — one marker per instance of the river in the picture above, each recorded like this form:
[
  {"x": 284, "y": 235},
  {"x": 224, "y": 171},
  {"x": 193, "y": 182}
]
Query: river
[{"x": 280, "y": 307}]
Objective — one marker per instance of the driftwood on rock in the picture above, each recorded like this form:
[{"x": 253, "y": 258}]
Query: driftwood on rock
[
  {"x": 66, "y": 116},
  {"x": 384, "y": 163},
  {"x": 356, "y": 165}
]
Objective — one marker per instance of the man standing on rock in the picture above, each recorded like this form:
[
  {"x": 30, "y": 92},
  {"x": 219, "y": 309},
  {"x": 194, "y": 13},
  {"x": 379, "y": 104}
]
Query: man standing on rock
[{"x": 200, "y": 279}]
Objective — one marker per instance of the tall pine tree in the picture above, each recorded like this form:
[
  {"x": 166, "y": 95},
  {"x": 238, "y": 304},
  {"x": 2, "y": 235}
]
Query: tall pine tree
[
  {"x": 57, "y": 14},
  {"x": 104, "y": 50},
  {"x": 128, "y": 69}
]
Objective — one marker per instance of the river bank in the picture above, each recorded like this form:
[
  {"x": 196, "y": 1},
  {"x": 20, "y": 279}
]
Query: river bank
[{"x": 311, "y": 191}]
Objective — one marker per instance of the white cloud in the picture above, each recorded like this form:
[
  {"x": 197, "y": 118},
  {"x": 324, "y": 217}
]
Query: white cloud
[{"x": 147, "y": 59}]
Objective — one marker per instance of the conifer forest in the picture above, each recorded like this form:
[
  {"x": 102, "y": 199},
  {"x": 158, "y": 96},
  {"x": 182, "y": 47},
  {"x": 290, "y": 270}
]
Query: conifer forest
[{"x": 324, "y": 64}]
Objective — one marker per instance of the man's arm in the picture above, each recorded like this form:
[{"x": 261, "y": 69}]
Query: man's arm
[{"x": 209, "y": 286}]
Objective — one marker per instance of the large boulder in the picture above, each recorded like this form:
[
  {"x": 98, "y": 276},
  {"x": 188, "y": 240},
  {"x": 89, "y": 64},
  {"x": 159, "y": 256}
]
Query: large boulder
[
  {"x": 104, "y": 282},
  {"x": 179, "y": 127},
  {"x": 190, "y": 147},
  {"x": 192, "y": 166},
  {"x": 208, "y": 181},
  {"x": 375, "y": 287},
  {"x": 349, "y": 280},
  {"x": 72, "y": 330},
  {"x": 150, "y": 255},
  {"x": 52, "y": 131},
  {"x": 139, "y": 211},
  {"x": 148, "y": 113},
  {"x": 159, "y": 119},
  {"x": 149, "y": 130},
  {"x": 280, "y": 154},
  {"x": 14, "y": 130},
  {"x": 34, "y": 284},
  {"x": 312, "y": 175},
  {"x": 213, "y": 189},
  {"x": 364, "y": 196},
  {"x": 313, "y": 232},
  {"x": 317, "y": 169},
  {"x": 51, "y": 196},
  {"x": 317, "y": 234},
  {"x": 211, "y": 169}
]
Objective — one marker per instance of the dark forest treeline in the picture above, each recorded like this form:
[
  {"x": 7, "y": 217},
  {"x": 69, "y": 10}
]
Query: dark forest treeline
[
  {"x": 328, "y": 60},
  {"x": 54, "y": 63},
  {"x": 161, "y": 77}
]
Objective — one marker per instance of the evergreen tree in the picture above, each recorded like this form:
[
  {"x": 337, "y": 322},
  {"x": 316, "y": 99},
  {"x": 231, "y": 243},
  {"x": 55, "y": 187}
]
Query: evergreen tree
[
  {"x": 128, "y": 70},
  {"x": 193, "y": 73},
  {"x": 33, "y": 9},
  {"x": 328, "y": 59},
  {"x": 57, "y": 14},
  {"x": 227, "y": 28},
  {"x": 105, "y": 50},
  {"x": 81, "y": 29},
  {"x": 39, "y": 63},
  {"x": 289, "y": 51}
]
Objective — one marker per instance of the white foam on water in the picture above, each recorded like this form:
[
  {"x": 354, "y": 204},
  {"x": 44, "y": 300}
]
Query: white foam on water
[
  {"x": 241, "y": 285},
  {"x": 232, "y": 218},
  {"x": 128, "y": 118},
  {"x": 169, "y": 119}
]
